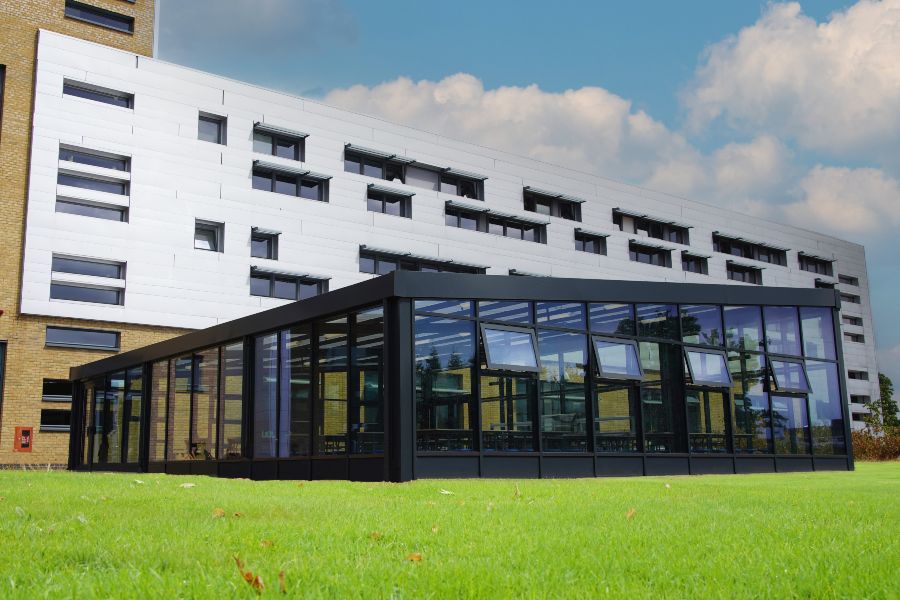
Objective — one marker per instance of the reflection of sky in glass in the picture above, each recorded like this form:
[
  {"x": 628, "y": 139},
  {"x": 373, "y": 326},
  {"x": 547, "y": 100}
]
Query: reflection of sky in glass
[
  {"x": 512, "y": 312},
  {"x": 743, "y": 327},
  {"x": 510, "y": 348},
  {"x": 561, "y": 314},
  {"x": 440, "y": 342},
  {"x": 782, "y": 330},
  {"x": 708, "y": 368},
  {"x": 617, "y": 358},
  {"x": 612, "y": 318},
  {"x": 701, "y": 325},
  {"x": 789, "y": 375},
  {"x": 818, "y": 332}
]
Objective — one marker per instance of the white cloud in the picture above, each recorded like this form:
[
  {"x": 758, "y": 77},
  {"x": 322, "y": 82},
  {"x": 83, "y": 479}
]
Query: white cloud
[{"x": 833, "y": 87}]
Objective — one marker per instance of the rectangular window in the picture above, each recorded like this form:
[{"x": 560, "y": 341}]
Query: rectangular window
[
  {"x": 782, "y": 330},
  {"x": 753, "y": 250},
  {"x": 706, "y": 411},
  {"x": 264, "y": 245},
  {"x": 69, "y": 337},
  {"x": 84, "y": 293},
  {"x": 744, "y": 273},
  {"x": 379, "y": 263},
  {"x": 208, "y": 236},
  {"x": 707, "y": 367},
  {"x": 290, "y": 184},
  {"x": 231, "y": 405},
  {"x": 752, "y": 425},
  {"x": 285, "y": 287},
  {"x": 379, "y": 167},
  {"x": 617, "y": 359},
  {"x": 858, "y": 375},
  {"x": 94, "y": 158},
  {"x": 459, "y": 185},
  {"x": 333, "y": 397},
  {"x": 850, "y": 298},
  {"x": 564, "y": 364},
  {"x": 855, "y": 337},
  {"x": 859, "y": 399},
  {"x": 554, "y": 205},
  {"x": 56, "y": 390},
  {"x": 593, "y": 244},
  {"x": 94, "y": 210},
  {"x": 693, "y": 263},
  {"x": 88, "y": 91},
  {"x": 99, "y": 16},
  {"x": 283, "y": 145},
  {"x": 658, "y": 321},
  {"x": 390, "y": 204},
  {"x": 55, "y": 419},
  {"x": 701, "y": 324},
  {"x": 509, "y": 349},
  {"x": 91, "y": 267},
  {"x": 848, "y": 320},
  {"x": 818, "y": 332},
  {"x": 790, "y": 423},
  {"x": 654, "y": 228},
  {"x": 789, "y": 376},
  {"x": 612, "y": 318},
  {"x": 814, "y": 264},
  {"x": 743, "y": 328},
  {"x": 649, "y": 255},
  {"x": 96, "y": 184},
  {"x": 848, "y": 280},
  {"x": 211, "y": 128}
]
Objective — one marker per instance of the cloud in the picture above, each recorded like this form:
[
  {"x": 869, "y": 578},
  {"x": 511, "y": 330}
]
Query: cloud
[{"x": 833, "y": 87}]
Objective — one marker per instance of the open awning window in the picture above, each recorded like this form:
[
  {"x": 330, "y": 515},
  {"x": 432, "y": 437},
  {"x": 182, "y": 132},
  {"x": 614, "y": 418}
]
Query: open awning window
[
  {"x": 789, "y": 375},
  {"x": 510, "y": 348},
  {"x": 617, "y": 359},
  {"x": 707, "y": 367}
]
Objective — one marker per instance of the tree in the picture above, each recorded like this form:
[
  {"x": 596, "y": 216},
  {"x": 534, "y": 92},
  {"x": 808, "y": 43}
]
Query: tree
[{"x": 888, "y": 407}]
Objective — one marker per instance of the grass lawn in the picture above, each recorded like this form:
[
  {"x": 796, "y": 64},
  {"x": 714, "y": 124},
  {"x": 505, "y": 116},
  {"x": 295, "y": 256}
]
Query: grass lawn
[{"x": 783, "y": 535}]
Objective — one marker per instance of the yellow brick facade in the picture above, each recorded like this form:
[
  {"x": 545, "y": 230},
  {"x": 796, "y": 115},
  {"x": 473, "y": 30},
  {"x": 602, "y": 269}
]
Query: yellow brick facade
[{"x": 28, "y": 362}]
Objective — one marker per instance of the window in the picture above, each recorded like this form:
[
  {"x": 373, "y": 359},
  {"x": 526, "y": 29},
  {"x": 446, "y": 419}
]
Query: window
[
  {"x": 381, "y": 263},
  {"x": 68, "y": 337},
  {"x": 88, "y": 266},
  {"x": 650, "y": 227},
  {"x": 702, "y": 324},
  {"x": 859, "y": 399},
  {"x": 375, "y": 164},
  {"x": 743, "y": 328},
  {"x": 96, "y": 210},
  {"x": 848, "y": 320},
  {"x": 564, "y": 364},
  {"x": 263, "y": 244},
  {"x": 790, "y": 424},
  {"x": 782, "y": 330},
  {"x": 507, "y": 311},
  {"x": 460, "y": 185},
  {"x": 211, "y": 128},
  {"x": 658, "y": 321},
  {"x": 388, "y": 203},
  {"x": 850, "y": 298},
  {"x": 858, "y": 375},
  {"x": 85, "y": 293},
  {"x": 707, "y": 367},
  {"x": 277, "y": 142},
  {"x": 97, "y": 184},
  {"x": 291, "y": 183},
  {"x": 744, "y": 273},
  {"x": 746, "y": 249},
  {"x": 694, "y": 263},
  {"x": 824, "y": 285},
  {"x": 617, "y": 359},
  {"x": 285, "y": 286},
  {"x": 552, "y": 205},
  {"x": 496, "y": 224},
  {"x": 825, "y": 415},
  {"x": 99, "y": 16},
  {"x": 789, "y": 376},
  {"x": 815, "y": 264},
  {"x": 56, "y": 390},
  {"x": 590, "y": 242},
  {"x": 561, "y": 314},
  {"x": 818, "y": 332},
  {"x": 94, "y": 158},
  {"x": 855, "y": 337},
  {"x": 848, "y": 280},
  {"x": 649, "y": 255},
  {"x": 55, "y": 419},
  {"x": 208, "y": 236},
  {"x": 87, "y": 91},
  {"x": 509, "y": 349}
]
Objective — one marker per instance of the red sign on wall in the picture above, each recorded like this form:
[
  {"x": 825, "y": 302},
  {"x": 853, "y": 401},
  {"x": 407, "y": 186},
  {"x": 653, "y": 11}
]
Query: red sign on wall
[{"x": 23, "y": 439}]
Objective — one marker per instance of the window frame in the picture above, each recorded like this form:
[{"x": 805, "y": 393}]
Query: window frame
[
  {"x": 601, "y": 373},
  {"x": 732, "y": 267},
  {"x": 271, "y": 240},
  {"x": 320, "y": 181},
  {"x": 76, "y": 151},
  {"x": 384, "y": 163},
  {"x": 657, "y": 251},
  {"x": 125, "y": 185},
  {"x": 382, "y": 197},
  {"x": 119, "y": 293},
  {"x": 584, "y": 237},
  {"x": 725, "y": 244},
  {"x": 122, "y": 211},
  {"x": 96, "y": 93},
  {"x": 62, "y": 398},
  {"x": 218, "y": 230},
  {"x": 531, "y": 197},
  {"x": 55, "y": 428},
  {"x": 815, "y": 264},
  {"x": 298, "y": 280},
  {"x": 688, "y": 258},
  {"x": 220, "y": 121},
  {"x": 496, "y": 366},
  {"x": 778, "y": 389},
  {"x": 687, "y": 349},
  {"x": 117, "y": 334},
  {"x": 128, "y": 20},
  {"x": 298, "y": 141}
]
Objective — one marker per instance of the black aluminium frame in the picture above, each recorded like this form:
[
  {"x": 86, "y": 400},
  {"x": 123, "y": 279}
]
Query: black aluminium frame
[{"x": 396, "y": 292}]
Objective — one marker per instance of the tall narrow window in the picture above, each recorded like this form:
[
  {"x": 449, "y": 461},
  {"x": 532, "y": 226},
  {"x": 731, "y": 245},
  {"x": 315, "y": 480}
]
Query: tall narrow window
[
  {"x": 231, "y": 407},
  {"x": 331, "y": 407}
]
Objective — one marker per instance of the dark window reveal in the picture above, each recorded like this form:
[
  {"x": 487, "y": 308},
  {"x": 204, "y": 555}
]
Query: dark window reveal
[
  {"x": 650, "y": 227},
  {"x": 98, "y": 94},
  {"x": 379, "y": 263},
  {"x": 99, "y": 16},
  {"x": 591, "y": 243},
  {"x": 744, "y": 273},
  {"x": 751, "y": 250},
  {"x": 496, "y": 224},
  {"x": 552, "y": 205},
  {"x": 83, "y": 293},
  {"x": 290, "y": 184},
  {"x": 211, "y": 128},
  {"x": 94, "y": 268},
  {"x": 292, "y": 148},
  {"x": 650, "y": 255},
  {"x": 56, "y": 390},
  {"x": 93, "y": 183},
  {"x": 389, "y": 204},
  {"x": 286, "y": 287},
  {"x": 55, "y": 419},
  {"x": 69, "y": 337}
]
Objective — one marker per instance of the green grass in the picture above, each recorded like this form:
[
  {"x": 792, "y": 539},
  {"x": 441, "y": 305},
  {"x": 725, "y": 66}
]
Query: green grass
[{"x": 798, "y": 535}]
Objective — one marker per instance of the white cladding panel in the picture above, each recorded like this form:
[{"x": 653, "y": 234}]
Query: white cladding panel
[{"x": 176, "y": 179}]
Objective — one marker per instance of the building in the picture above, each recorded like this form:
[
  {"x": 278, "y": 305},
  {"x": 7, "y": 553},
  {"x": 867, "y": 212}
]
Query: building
[
  {"x": 161, "y": 199},
  {"x": 393, "y": 379}
]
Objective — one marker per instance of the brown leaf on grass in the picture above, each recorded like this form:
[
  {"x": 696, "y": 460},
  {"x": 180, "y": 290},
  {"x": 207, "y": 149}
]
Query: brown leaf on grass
[
  {"x": 281, "y": 585},
  {"x": 266, "y": 543},
  {"x": 218, "y": 513},
  {"x": 630, "y": 514},
  {"x": 375, "y": 535},
  {"x": 239, "y": 514},
  {"x": 414, "y": 557},
  {"x": 254, "y": 581}
]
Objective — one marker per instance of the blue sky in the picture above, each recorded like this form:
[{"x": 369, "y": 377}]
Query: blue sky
[{"x": 786, "y": 111}]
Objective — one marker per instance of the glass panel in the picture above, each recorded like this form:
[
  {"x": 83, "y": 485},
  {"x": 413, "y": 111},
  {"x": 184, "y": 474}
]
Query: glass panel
[
  {"x": 308, "y": 289},
  {"x": 89, "y": 338},
  {"x": 612, "y": 318},
  {"x": 658, "y": 320},
  {"x": 374, "y": 204},
  {"x": 262, "y": 142},
  {"x": 287, "y": 149},
  {"x": 468, "y": 221},
  {"x": 123, "y": 100},
  {"x": 131, "y": 437},
  {"x": 394, "y": 172},
  {"x": 462, "y": 308},
  {"x": 311, "y": 190},
  {"x": 113, "y": 426},
  {"x": 782, "y": 330},
  {"x": 296, "y": 391},
  {"x": 790, "y": 424},
  {"x": 826, "y": 419},
  {"x": 286, "y": 184},
  {"x": 89, "y": 426},
  {"x": 265, "y": 382},
  {"x": 508, "y": 413},
  {"x": 614, "y": 429},
  {"x": 445, "y": 358},
  {"x": 100, "y": 441},
  {"x": 563, "y": 400},
  {"x": 509, "y": 349},
  {"x": 373, "y": 168},
  {"x": 262, "y": 181},
  {"x": 617, "y": 359},
  {"x": 706, "y": 421},
  {"x": 90, "y": 210},
  {"x": 367, "y": 410},
  {"x": 206, "y": 398},
  {"x": 86, "y": 267},
  {"x": 331, "y": 403},
  {"x": 209, "y": 130},
  {"x": 159, "y": 393},
  {"x": 386, "y": 266},
  {"x": 179, "y": 409},
  {"x": 752, "y": 420},
  {"x": 260, "y": 286},
  {"x": 662, "y": 403},
  {"x": 393, "y": 205},
  {"x": 205, "y": 239},
  {"x": 261, "y": 247},
  {"x": 701, "y": 325},
  {"x": 561, "y": 314},
  {"x": 789, "y": 376},
  {"x": 77, "y": 293},
  {"x": 351, "y": 163},
  {"x": 88, "y": 183},
  {"x": 231, "y": 409},
  {"x": 743, "y": 328},
  {"x": 708, "y": 368},
  {"x": 510, "y": 312},
  {"x": 818, "y": 332},
  {"x": 285, "y": 289},
  {"x": 448, "y": 185}
]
